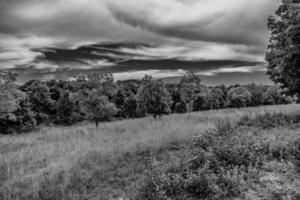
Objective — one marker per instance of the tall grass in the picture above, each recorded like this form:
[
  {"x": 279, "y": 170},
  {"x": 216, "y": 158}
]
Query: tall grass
[{"x": 27, "y": 161}]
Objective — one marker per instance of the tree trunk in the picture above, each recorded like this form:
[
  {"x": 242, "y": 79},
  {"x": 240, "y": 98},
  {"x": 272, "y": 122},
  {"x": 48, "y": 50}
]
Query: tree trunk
[{"x": 97, "y": 122}]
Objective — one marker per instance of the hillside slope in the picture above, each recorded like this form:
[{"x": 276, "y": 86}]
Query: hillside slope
[{"x": 82, "y": 162}]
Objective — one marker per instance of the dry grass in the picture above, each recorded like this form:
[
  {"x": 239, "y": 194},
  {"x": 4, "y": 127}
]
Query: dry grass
[{"x": 25, "y": 158}]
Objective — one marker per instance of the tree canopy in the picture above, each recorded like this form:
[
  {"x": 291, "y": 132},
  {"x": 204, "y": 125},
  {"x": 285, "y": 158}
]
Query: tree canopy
[
  {"x": 153, "y": 97},
  {"x": 283, "y": 53}
]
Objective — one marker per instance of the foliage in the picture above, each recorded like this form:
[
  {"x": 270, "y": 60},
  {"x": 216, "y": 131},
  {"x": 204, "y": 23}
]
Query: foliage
[
  {"x": 40, "y": 98},
  {"x": 267, "y": 121},
  {"x": 283, "y": 53},
  {"x": 297, "y": 155},
  {"x": 99, "y": 107},
  {"x": 258, "y": 94},
  {"x": 274, "y": 96},
  {"x": 214, "y": 99},
  {"x": 67, "y": 112},
  {"x": 153, "y": 98},
  {"x": 125, "y": 98},
  {"x": 221, "y": 164},
  {"x": 130, "y": 107},
  {"x": 103, "y": 83},
  {"x": 181, "y": 107},
  {"x": 15, "y": 112},
  {"x": 189, "y": 86},
  {"x": 239, "y": 97},
  {"x": 64, "y": 102}
]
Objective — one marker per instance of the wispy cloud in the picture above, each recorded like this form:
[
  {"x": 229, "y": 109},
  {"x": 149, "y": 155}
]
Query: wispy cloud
[
  {"x": 187, "y": 30},
  {"x": 180, "y": 72},
  {"x": 230, "y": 69},
  {"x": 154, "y": 73},
  {"x": 17, "y": 51}
]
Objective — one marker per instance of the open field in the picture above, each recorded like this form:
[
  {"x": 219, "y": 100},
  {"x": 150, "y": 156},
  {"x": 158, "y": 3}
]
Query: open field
[{"x": 67, "y": 155}]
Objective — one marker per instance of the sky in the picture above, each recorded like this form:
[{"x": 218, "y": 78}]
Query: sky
[{"x": 223, "y": 41}]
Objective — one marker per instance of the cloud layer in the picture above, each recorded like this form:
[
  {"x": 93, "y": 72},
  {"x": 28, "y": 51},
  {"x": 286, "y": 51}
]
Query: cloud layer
[{"x": 184, "y": 30}]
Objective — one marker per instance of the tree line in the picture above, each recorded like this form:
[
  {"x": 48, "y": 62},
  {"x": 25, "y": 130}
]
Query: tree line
[{"x": 97, "y": 97}]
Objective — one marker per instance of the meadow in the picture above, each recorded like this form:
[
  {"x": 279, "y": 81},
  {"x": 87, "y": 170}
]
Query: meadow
[{"x": 112, "y": 161}]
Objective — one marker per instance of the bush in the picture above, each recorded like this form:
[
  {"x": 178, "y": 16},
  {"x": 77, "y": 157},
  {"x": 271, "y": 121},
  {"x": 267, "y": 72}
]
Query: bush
[
  {"x": 268, "y": 120},
  {"x": 190, "y": 185},
  {"x": 210, "y": 170},
  {"x": 221, "y": 163},
  {"x": 237, "y": 152},
  {"x": 297, "y": 155}
]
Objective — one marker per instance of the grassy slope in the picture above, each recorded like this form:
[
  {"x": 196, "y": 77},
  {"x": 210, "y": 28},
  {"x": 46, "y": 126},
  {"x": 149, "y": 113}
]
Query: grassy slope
[{"x": 73, "y": 154}]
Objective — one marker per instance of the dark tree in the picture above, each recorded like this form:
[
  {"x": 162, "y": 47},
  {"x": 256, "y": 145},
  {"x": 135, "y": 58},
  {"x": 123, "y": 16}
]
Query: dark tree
[
  {"x": 175, "y": 95},
  {"x": 257, "y": 94},
  {"x": 238, "y": 97},
  {"x": 40, "y": 98},
  {"x": 181, "y": 107},
  {"x": 274, "y": 96},
  {"x": 153, "y": 97},
  {"x": 103, "y": 83},
  {"x": 189, "y": 87},
  {"x": 99, "y": 107},
  {"x": 15, "y": 113},
  {"x": 67, "y": 112},
  {"x": 283, "y": 53},
  {"x": 130, "y": 107}
]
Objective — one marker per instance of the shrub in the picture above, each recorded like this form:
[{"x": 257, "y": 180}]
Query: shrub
[
  {"x": 268, "y": 120},
  {"x": 237, "y": 152},
  {"x": 297, "y": 155}
]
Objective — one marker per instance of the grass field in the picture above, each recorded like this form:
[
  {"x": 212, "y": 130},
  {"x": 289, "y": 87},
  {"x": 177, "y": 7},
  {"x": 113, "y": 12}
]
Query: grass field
[{"x": 83, "y": 162}]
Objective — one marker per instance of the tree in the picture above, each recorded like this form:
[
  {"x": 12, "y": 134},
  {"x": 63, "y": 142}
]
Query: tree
[
  {"x": 181, "y": 107},
  {"x": 238, "y": 97},
  {"x": 40, "y": 98},
  {"x": 189, "y": 86},
  {"x": 67, "y": 112},
  {"x": 15, "y": 113},
  {"x": 103, "y": 83},
  {"x": 96, "y": 92},
  {"x": 200, "y": 100},
  {"x": 130, "y": 106},
  {"x": 274, "y": 95},
  {"x": 283, "y": 53},
  {"x": 257, "y": 94},
  {"x": 125, "y": 98},
  {"x": 175, "y": 95},
  {"x": 99, "y": 107},
  {"x": 214, "y": 99},
  {"x": 153, "y": 97}
]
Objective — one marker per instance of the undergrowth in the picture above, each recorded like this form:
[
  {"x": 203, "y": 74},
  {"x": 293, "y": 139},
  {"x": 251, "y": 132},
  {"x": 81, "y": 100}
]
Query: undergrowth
[{"x": 223, "y": 163}]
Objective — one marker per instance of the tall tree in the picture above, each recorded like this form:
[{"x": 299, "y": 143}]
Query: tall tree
[
  {"x": 283, "y": 53},
  {"x": 153, "y": 97},
  {"x": 99, "y": 107},
  {"x": 40, "y": 98},
  {"x": 97, "y": 89},
  {"x": 15, "y": 113},
  {"x": 239, "y": 97},
  {"x": 189, "y": 87},
  {"x": 103, "y": 83}
]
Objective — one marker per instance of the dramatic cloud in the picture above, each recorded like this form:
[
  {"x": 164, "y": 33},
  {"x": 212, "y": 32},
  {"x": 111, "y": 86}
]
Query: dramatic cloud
[
  {"x": 184, "y": 30},
  {"x": 230, "y": 21}
]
